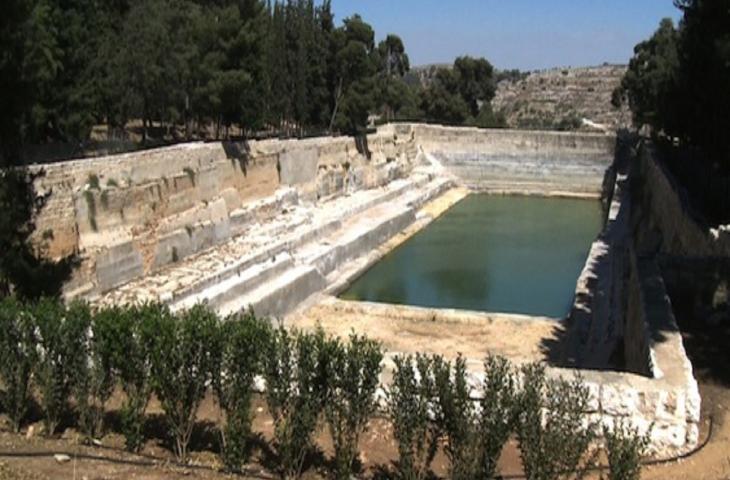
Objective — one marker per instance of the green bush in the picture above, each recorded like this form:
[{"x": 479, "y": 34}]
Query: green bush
[
  {"x": 60, "y": 343},
  {"x": 624, "y": 449},
  {"x": 295, "y": 370},
  {"x": 239, "y": 351},
  {"x": 92, "y": 376},
  {"x": 497, "y": 412},
  {"x": 550, "y": 426},
  {"x": 456, "y": 416},
  {"x": 410, "y": 408},
  {"x": 353, "y": 377},
  {"x": 474, "y": 436},
  {"x": 132, "y": 333},
  {"x": 182, "y": 360},
  {"x": 17, "y": 350}
]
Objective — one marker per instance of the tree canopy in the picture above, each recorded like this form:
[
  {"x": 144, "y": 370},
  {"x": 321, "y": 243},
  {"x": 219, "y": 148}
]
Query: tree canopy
[
  {"x": 677, "y": 80},
  {"x": 194, "y": 68},
  {"x": 462, "y": 94}
]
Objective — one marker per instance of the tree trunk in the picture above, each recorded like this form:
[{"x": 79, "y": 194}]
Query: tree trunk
[{"x": 338, "y": 94}]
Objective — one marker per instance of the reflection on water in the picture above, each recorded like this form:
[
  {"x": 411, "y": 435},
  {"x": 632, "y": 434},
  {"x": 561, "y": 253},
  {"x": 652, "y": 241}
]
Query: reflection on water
[{"x": 490, "y": 253}]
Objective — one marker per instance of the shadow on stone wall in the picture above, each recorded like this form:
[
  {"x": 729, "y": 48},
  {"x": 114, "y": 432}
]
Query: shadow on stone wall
[
  {"x": 25, "y": 268},
  {"x": 239, "y": 152},
  {"x": 593, "y": 333},
  {"x": 699, "y": 290}
]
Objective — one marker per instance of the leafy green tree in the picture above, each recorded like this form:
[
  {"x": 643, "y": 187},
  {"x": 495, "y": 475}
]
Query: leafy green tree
[
  {"x": 703, "y": 100},
  {"x": 356, "y": 66},
  {"x": 17, "y": 349},
  {"x": 182, "y": 359},
  {"x": 143, "y": 62},
  {"x": 322, "y": 67},
  {"x": 276, "y": 67},
  {"x": 651, "y": 79},
  {"x": 394, "y": 64},
  {"x": 441, "y": 102},
  {"x": 475, "y": 82},
  {"x": 17, "y": 98}
]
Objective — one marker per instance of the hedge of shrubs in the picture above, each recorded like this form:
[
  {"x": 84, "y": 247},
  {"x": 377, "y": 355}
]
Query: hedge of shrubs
[{"x": 71, "y": 358}]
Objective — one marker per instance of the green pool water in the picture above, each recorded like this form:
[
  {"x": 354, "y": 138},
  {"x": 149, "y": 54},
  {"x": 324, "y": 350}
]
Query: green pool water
[{"x": 490, "y": 253}]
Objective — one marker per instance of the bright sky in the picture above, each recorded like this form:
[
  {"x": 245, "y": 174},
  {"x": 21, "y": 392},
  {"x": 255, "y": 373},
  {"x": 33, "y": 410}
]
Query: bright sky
[{"x": 524, "y": 34}]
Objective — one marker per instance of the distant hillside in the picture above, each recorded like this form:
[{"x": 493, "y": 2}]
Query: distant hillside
[{"x": 563, "y": 98}]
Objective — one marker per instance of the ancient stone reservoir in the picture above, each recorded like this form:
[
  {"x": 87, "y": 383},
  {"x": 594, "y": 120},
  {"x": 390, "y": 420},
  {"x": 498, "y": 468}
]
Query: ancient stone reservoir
[{"x": 285, "y": 227}]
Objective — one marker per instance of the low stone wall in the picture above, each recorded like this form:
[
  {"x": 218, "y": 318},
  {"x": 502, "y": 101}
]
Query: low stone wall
[
  {"x": 622, "y": 310},
  {"x": 671, "y": 398},
  {"x": 519, "y": 161},
  {"x": 596, "y": 322},
  {"x": 667, "y": 223}
]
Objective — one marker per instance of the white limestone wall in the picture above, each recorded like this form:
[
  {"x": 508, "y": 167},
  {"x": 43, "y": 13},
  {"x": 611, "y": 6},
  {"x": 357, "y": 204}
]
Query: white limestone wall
[
  {"x": 126, "y": 216},
  {"x": 521, "y": 161}
]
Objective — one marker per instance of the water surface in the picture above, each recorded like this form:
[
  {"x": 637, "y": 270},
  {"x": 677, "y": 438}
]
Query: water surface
[{"x": 490, "y": 253}]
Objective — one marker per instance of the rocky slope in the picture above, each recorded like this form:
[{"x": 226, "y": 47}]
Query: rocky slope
[{"x": 563, "y": 98}]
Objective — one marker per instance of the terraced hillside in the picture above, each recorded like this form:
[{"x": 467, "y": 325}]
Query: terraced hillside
[{"x": 563, "y": 98}]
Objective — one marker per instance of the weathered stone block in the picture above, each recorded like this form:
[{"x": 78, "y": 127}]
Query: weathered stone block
[
  {"x": 619, "y": 400},
  {"x": 173, "y": 247},
  {"x": 298, "y": 166},
  {"x": 118, "y": 265}
]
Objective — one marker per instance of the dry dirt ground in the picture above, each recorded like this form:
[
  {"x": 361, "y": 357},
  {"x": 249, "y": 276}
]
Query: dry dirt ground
[
  {"x": 31, "y": 458},
  {"x": 407, "y": 329}
]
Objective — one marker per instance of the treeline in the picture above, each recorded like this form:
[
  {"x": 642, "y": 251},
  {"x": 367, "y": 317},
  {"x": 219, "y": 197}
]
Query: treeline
[
  {"x": 182, "y": 69},
  {"x": 71, "y": 360},
  {"x": 677, "y": 81},
  {"x": 191, "y": 65}
]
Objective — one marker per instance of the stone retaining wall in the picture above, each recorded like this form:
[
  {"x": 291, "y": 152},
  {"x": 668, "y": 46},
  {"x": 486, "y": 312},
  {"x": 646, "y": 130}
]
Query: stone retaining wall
[
  {"x": 519, "y": 161},
  {"x": 621, "y": 302},
  {"x": 667, "y": 222},
  {"x": 129, "y": 215},
  {"x": 132, "y": 214},
  {"x": 669, "y": 398},
  {"x": 596, "y": 322}
]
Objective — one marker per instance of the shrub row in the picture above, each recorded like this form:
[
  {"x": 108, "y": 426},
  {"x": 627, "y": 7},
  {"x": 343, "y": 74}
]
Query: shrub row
[
  {"x": 73, "y": 356},
  {"x": 432, "y": 405}
]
